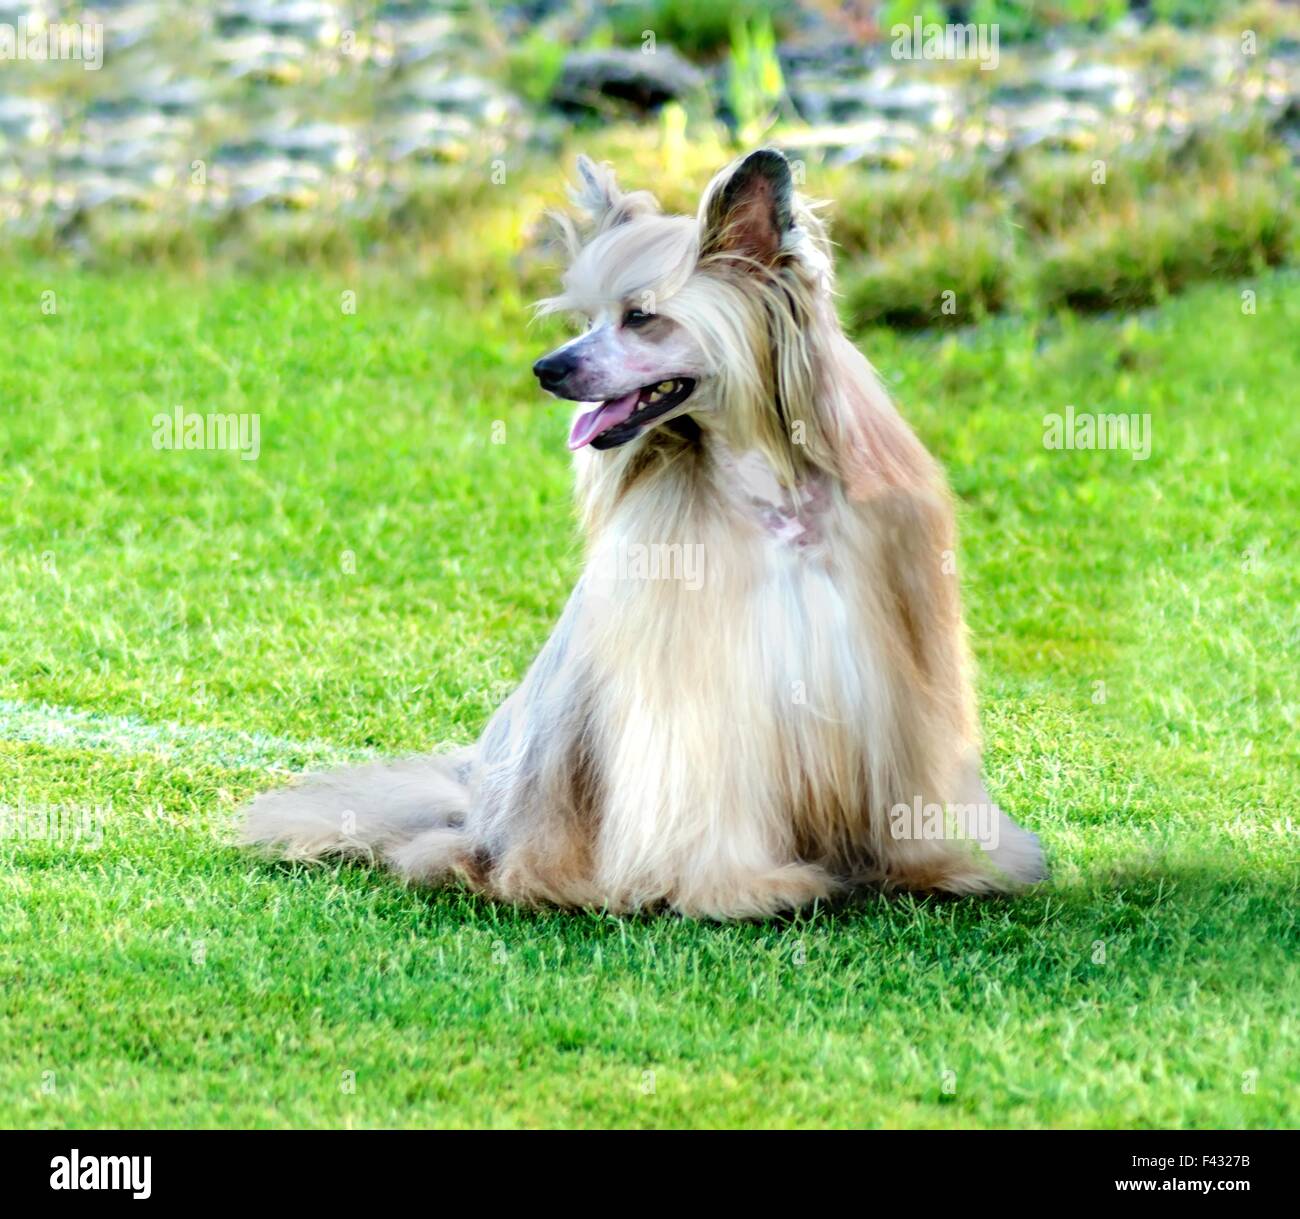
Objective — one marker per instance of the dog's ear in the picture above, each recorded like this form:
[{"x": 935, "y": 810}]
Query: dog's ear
[
  {"x": 748, "y": 208},
  {"x": 597, "y": 196}
]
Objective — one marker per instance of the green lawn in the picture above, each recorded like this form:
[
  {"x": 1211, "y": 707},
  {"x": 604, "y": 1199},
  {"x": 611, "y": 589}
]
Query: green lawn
[{"x": 381, "y": 576}]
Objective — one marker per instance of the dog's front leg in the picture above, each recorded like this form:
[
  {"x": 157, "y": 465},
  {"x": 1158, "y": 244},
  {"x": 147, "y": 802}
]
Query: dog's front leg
[{"x": 537, "y": 790}]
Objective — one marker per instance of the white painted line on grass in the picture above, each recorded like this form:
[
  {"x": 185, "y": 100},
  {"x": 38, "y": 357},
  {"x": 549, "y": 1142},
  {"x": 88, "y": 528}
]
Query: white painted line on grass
[{"x": 46, "y": 724}]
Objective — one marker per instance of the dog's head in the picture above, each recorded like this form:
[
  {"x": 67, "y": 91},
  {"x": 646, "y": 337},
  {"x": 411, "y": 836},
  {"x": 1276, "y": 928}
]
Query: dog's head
[{"x": 708, "y": 316}]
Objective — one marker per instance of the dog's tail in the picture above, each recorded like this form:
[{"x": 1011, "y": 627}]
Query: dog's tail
[{"x": 408, "y": 815}]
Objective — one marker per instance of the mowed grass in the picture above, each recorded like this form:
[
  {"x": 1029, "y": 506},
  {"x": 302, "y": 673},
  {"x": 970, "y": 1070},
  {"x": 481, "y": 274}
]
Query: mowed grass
[{"x": 382, "y": 574}]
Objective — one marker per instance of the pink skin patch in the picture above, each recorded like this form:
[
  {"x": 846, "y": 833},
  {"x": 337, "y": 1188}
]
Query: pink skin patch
[{"x": 793, "y": 517}]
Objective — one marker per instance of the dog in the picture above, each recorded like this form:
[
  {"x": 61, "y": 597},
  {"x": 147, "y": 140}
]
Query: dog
[{"x": 759, "y": 693}]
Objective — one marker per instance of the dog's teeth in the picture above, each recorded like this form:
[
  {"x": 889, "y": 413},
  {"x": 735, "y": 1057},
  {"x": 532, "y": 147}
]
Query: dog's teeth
[{"x": 658, "y": 391}]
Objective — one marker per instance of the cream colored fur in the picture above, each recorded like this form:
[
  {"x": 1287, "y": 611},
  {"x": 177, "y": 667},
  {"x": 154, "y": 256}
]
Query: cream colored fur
[{"x": 739, "y": 742}]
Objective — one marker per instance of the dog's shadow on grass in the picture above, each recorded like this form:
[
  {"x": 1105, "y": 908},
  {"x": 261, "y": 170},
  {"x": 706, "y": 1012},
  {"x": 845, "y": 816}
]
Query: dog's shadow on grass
[
  {"x": 1100, "y": 937},
  {"x": 1158, "y": 903}
]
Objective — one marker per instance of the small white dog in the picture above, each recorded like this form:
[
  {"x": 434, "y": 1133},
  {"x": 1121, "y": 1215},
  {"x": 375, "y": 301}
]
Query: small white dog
[{"x": 759, "y": 692}]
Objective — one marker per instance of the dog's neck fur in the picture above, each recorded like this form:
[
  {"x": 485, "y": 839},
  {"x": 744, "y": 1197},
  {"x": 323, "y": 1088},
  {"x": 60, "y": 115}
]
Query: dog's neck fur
[
  {"x": 682, "y": 469},
  {"x": 858, "y": 448}
]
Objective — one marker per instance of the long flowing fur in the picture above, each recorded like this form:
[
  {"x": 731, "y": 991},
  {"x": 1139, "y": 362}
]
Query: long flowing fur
[{"x": 740, "y": 744}]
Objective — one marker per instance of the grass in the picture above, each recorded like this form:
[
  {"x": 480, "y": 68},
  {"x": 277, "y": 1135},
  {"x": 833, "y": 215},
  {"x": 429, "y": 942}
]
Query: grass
[
  {"x": 383, "y": 573},
  {"x": 702, "y": 28}
]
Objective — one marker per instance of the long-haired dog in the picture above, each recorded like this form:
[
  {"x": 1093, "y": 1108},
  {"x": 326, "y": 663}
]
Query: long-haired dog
[{"x": 758, "y": 694}]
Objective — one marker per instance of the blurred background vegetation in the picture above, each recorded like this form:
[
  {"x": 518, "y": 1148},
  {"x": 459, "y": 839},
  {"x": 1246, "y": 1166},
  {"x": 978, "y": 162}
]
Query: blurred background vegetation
[{"x": 1111, "y": 152}]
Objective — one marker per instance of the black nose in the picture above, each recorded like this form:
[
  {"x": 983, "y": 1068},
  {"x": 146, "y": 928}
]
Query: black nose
[{"x": 552, "y": 369}]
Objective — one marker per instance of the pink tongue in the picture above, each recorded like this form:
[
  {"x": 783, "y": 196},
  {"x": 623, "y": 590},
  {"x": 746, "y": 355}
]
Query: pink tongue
[{"x": 590, "y": 424}]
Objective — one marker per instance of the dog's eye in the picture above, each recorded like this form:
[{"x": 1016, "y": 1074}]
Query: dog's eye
[{"x": 636, "y": 317}]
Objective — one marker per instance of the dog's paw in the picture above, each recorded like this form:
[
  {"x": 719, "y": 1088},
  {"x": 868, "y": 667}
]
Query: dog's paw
[
  {"x": 1018, "y": 858},
  {"x": 1013, "y": 861},
  {"x": 757, "y": 894}
]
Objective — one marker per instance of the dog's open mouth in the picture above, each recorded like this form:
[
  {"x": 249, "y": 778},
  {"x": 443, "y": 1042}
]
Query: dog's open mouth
[{"x": 621, "y": 419}]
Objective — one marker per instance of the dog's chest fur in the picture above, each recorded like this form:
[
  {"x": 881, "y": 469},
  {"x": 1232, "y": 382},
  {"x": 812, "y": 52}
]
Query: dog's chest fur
[{"x": 751, "y": 694}]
